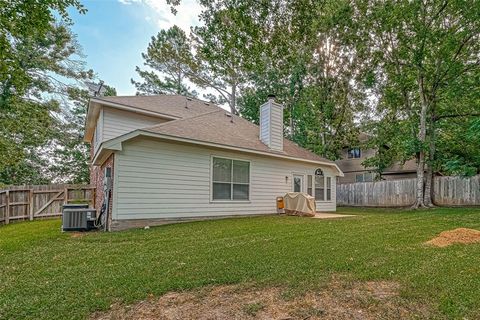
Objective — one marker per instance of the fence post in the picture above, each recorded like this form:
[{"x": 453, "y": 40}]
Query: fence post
[
  {"x": 65, "y": 197},
  {"x": 30, "y": 204},
  {"x": 7, "y": 207}
]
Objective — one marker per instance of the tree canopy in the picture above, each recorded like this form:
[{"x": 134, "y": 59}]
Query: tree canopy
[{"x": 41, "y": 66}]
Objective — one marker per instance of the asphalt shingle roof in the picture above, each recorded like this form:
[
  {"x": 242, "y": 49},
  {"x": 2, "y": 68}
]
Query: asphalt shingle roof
[
  {"x": 170, "y": 105},
  {"x": 220, "y": 127}
]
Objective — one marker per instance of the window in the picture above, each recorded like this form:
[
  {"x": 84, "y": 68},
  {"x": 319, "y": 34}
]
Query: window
[
  {"x": 108, "y": 172},
  {"x": 310, "y": 185},
  {"x": 365, "y": 177},
  {"x": 320, "y": 188},
  {"x": 230, "y": 179},
  {"x": 354, "y": 153},
  {"x": 298, "y": 183}
]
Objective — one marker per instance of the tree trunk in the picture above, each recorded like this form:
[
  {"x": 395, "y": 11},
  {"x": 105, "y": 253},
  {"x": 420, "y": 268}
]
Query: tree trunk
[
  {"x": 292, "y": 129},
  {"x": 422, "y": 128},
  {"x": 428, "y": 201},
  {"x": 233, "y": 99},
  {"x": 179, "y": 83}
]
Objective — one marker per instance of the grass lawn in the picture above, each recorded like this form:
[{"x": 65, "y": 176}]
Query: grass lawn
[{"x": 46, "y": 274}]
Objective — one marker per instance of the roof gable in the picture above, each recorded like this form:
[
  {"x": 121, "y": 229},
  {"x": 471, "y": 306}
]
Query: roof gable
[{"x": 169, "y": 107}]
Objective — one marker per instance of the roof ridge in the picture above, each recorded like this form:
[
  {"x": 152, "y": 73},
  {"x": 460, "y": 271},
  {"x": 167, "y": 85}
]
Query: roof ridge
[{"x": 160, "y": 95}]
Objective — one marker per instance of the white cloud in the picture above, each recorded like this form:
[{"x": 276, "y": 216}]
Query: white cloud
[
  {"x": 159, "y": 13},
  {"x": 128, "y": 1}
]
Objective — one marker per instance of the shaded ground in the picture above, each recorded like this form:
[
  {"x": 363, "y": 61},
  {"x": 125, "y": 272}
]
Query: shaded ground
[
  {"x": 339, "y": 300},
  {"x": 459, "y": 235}
]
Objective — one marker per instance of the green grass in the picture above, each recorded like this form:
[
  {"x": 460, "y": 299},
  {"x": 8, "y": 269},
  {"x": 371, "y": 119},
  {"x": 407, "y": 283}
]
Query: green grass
[
  {"x": 46, "y": 274},
  {"x": 253, "y": 308}
]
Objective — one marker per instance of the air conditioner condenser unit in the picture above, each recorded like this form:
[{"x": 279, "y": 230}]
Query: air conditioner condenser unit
[{"x": 78, "y": 219}]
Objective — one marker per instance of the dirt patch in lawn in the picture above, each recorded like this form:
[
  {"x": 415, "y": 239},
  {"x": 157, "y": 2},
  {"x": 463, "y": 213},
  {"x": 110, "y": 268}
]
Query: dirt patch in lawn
[
  {"x": 339, "y": 300},
  {"x": 78, "y": 234},
  {"x": 460, "y": 235}
]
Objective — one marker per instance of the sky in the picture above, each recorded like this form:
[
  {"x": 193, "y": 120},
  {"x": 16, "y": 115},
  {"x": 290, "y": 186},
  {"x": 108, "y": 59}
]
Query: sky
[{"x": 114, "y": 33}]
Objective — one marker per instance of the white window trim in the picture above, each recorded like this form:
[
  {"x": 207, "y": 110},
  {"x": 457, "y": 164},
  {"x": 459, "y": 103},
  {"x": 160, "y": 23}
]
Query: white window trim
[{"x": 249, "y": 180}]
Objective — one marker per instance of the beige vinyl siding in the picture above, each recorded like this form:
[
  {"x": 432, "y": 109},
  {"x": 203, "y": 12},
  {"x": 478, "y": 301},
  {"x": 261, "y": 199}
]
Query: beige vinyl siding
[
  {"x": 276, "y": 112},
  {"x": 271, "y": 125},
  {"x": 98, "y": 134},
  {"x": 156, "y": 179},
  {"x": 118, "y": 122},
  {"x": 265, "y": 124}
]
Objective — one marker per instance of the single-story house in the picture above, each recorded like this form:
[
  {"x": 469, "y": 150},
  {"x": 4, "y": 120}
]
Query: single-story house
[{"x": 176, "y": 158}]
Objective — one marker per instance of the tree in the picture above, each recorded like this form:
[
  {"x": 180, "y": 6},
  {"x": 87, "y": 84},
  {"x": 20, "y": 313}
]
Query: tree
[
  {"x": 39, "y": 63},
  {"x": 24, "y": 26},
  {"x": 69, "y": 154},
  {"x": 169, "y": 55},
  {"x": 224, "y": 47},
  {"x": 423, "y": 54},
  {"x": 245, "y": 50},
  {"x": 309, "y": 65}
]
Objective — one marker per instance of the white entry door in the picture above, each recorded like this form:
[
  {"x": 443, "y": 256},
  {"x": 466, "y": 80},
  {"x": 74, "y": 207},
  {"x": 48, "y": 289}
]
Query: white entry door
[{"x": 298, "y": 183}]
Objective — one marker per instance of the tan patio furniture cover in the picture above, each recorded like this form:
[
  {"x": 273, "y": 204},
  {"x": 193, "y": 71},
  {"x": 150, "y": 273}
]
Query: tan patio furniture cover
[{"x": 300, "y": 204}]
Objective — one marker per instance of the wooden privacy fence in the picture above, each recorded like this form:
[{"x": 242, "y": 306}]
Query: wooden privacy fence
[
  {"x": 447, "y": 191},
  {"x": 40, "y": 201}
]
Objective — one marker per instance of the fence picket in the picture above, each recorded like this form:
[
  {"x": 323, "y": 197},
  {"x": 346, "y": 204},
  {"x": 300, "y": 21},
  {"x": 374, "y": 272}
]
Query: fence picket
[
  {"x": 447, "y": 191},
  {"x": 40, "y": 201}
]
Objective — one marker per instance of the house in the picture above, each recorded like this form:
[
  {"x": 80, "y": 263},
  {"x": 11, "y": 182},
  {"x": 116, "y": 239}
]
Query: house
[
  {"x": 177, "y": 158},
  {"x": 354, "y": 171}
]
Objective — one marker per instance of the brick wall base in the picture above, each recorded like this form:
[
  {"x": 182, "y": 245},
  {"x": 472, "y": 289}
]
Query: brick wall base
[{"x": 96, "y": 179}]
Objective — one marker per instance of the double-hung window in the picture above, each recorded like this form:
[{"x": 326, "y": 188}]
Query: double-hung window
[
  {"x": 230, "y": 179},
  {"x": 320, "y": 188}
]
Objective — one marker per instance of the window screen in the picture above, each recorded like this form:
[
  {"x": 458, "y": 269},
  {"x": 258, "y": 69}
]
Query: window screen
[
  {"x": 230, "y": 179},
  {"x": 310, "y": 185},
  {"x": 320, "y": 188}
]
